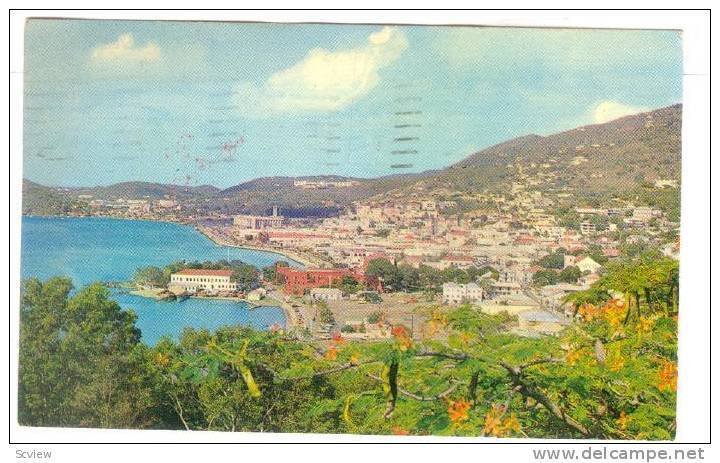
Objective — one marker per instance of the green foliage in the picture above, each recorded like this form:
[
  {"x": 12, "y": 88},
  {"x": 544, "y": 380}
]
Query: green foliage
[
  {"x": 376, "y": 317},
  {"x": 607, "y": 375},
  {"x": 545, "y": 277},
  {"x": 555, "y": 260},
  {"x": 151, "y": 276},
  {"x": 386, "y": 272},
  {"x": 570, "y": 274},
  {"x": 77, "y": 361},
  {"x": 350, "y": 285},
  {"x": 324, "y": 314}
]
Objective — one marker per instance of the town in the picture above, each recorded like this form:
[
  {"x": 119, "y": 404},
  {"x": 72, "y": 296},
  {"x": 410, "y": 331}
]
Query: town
[{"x": 381, "y": 260}]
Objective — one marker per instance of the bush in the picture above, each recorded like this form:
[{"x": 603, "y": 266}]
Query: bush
[{"x": 376, "y": 317}]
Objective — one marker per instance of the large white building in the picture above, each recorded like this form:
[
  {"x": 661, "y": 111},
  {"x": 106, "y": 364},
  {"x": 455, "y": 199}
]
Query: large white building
[
  {"x": 259, "y": 222},
  {"x": 195, "y": 279},
  {"x": 454, "y": 293}
]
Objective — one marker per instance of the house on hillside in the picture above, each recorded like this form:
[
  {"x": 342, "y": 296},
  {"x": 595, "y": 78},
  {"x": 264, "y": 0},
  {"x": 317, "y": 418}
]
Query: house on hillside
[{"x": 584, "y": 263}]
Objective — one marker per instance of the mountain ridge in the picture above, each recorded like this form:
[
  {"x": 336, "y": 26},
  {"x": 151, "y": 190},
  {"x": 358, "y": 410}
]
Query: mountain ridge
[{"x": 601, "y": 158}]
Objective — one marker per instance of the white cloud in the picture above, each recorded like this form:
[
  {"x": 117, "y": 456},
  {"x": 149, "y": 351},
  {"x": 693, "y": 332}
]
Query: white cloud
[
  {"x": 609, "y": 110},
  {"x": 324, "y": 80},
  {"x": 124, "y": 52}
]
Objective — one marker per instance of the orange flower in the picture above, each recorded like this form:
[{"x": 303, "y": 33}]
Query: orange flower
[
  {"x": 573, "y": 356},
  {"x": 614, "y": 314},
  {"x": 331, "y": 353},
  {"x": 667, "y": 377},
  {"x": 338, "y": 339},
  {"x": 399, "y": 331},
  {"x": 645, "y": 325},
  {"x": 493, "y": 421},
  {"x": 623, "y": 421},
  {"x": 512, "y": 424},
  {"x": 458, "y": 410},
  {"x": 496, "y": 426},
  {"x": 398, "y": 431},
  {"x": 162, "y": 359},
  {"x": 588, "y": 311},
  {"x": 355, "y": 359},
  {"x": 616, "y": 362},
  {"x": 402, "y": 337}
]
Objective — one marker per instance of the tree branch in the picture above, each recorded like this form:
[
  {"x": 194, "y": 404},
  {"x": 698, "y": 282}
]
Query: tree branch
[{"x": 418, "y": 397}]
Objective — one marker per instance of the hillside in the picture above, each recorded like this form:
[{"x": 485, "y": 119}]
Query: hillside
[
  {"x": 144, "y": 190},
  {"x": 259, "y": 195},
  {"x": 42, "y": 200},
  {"x": 602, "y": 157},
  {"x": 613, "y": 158}
]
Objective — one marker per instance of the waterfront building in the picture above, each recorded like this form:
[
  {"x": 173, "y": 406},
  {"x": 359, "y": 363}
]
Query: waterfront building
[
  {"x": 259, "y": 222},
  {"x": 195, "y": 279},
  {"x": 256, "y": 294}
]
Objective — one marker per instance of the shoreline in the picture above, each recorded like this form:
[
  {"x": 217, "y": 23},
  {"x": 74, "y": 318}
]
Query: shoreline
[
  {"x": 148, "y": 294},
  {"x": 298, "y": 259}
]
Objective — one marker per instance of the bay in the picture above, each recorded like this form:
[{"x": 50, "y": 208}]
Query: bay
[{"x": 90, "y": 249}]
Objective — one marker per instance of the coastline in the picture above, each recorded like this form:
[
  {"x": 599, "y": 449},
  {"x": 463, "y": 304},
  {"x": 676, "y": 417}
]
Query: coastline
[
  {"x": 297, "y": 258},
  {"x": 149, "y": 294}
]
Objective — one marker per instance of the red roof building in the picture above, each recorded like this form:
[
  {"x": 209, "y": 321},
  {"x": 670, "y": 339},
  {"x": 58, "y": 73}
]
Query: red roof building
[{"x": 204, "y": 272}]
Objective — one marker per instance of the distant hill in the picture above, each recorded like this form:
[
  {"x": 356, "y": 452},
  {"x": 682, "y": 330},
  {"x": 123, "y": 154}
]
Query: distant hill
[
  {"x": 144, "y": 190},
  {"x": 259, "y": 195},
  {"x": 42, "y": 200},
  {"x": 601, "y": 157},
  {"x": 610, "y": 158}
]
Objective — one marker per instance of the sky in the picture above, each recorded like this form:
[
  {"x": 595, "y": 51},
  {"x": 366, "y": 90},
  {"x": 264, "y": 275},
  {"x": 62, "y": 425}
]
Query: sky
[{"x": 196, "y": 103}]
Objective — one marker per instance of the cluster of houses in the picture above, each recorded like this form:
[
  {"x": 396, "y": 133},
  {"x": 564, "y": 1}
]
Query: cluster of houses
[{"x": 434, "y": 227}]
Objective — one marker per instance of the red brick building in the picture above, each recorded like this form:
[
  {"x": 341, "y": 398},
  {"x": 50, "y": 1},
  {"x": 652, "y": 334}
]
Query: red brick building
[{"x": 297, "y": 281}]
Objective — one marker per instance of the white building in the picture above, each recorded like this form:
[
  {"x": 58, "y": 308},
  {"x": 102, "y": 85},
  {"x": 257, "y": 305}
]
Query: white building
[
  {"x": 587, "y": 228},
  {"x": 256, "y": 294},
  {"x": 259, "y": 222},
  {"x": 454, "y": 293},
  {"x": 506, "y": 288},
  {"x": 195, "y": 279},
  {"x": 644, "y": 214},
  {"x": 584, "y": 263}
]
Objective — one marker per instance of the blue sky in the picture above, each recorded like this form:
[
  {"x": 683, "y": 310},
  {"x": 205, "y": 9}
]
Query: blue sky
[{"x": 221, "y": 103}]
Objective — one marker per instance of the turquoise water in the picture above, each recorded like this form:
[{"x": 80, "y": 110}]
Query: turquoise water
[{"x": 100, "y": 249}]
